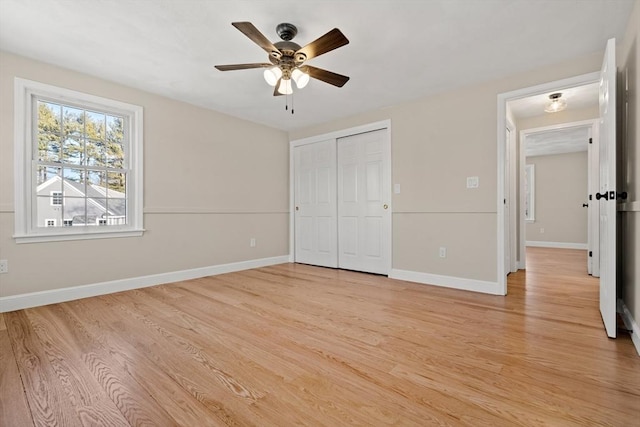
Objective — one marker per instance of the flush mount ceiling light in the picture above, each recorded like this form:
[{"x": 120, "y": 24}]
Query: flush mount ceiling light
[
  {"x": 287, "y": 60},
  {"x": 556, "y": 103}
]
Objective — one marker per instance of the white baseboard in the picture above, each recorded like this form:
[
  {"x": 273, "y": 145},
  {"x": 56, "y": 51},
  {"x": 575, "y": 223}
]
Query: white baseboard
[
  {"x": 558, "y": 245},
  {"x": 35, "y": 299},
  {"x": 447, "y": 281},
  {"x": 630, "y": 323}
]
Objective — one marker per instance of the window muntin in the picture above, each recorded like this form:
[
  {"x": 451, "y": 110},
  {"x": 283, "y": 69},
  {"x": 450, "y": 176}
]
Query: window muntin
[{"x": 79, "y": 160}]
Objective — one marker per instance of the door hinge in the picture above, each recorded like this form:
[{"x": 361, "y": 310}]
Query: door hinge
[
  {"x": 590, "y": 140},
  {"x": 591, "y": 253}
]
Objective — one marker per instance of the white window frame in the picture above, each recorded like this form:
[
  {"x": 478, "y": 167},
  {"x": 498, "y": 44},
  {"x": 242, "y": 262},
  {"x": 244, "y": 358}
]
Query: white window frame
[
  {"x": 56, "y": 195},
  {"x": 530, "y": 193},
  {"x": 26, "y": 93}
]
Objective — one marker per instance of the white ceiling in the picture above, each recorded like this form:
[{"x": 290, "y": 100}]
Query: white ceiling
[
  {"x": 558, "y": 141},
  {"x": 579, "y": 97},
  {"x": 399, "y": 50}
]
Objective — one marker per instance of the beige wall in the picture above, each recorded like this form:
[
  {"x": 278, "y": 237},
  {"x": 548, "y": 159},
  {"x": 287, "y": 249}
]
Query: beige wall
[
  {"x": 560, "y": 191},
  {"x": 212, "y": 182},
  {"x": 436, "y": 143},
  {"x": 629, "y": 167}
]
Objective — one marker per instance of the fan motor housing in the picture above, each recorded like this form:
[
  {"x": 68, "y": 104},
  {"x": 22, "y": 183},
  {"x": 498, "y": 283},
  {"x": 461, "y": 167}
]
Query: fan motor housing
[{"x": 286, "y": 31}]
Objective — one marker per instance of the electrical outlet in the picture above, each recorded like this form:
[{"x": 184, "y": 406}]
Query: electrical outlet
[
  {"x": 252, "y": 242},
  {"x": 541, "y": 230},
  {"x": 4, "y": 266},
  {"x": 443, "y": 252}
]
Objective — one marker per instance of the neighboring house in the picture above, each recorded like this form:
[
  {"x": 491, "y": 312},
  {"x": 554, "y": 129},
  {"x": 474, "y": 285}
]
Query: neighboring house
[{"x": 63, "y": 202}]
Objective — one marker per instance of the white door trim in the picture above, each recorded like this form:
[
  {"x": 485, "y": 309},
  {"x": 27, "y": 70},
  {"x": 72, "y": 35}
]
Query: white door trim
[
  {"x": 503, "y": 98},
  {"x": 383, "y": 124},
  {"x": 513, "y": 241}
]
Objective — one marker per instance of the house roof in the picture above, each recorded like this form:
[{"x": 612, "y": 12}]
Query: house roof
[
  {"x": 115, "y": 204},
  {"x": 399, "y": 49}
]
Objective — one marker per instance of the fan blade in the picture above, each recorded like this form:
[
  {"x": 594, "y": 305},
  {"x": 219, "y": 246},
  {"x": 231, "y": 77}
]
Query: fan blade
[
  {"x": 249, "y": 30},
  {"x": 275, "y": 89},
  {"x": 330, "y": 41},
  {"x": 326, "y": 76},
  {"x": 233, "y": 67}
]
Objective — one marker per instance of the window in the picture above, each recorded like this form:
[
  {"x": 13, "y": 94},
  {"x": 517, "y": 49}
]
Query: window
[
  {"x": 56, "y": 198},
  {"x": 529, "y": 193},
  {"x": 78, "y": 165}
]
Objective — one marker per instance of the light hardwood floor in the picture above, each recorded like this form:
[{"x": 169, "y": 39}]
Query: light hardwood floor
[{"x": 300, "y": 345}]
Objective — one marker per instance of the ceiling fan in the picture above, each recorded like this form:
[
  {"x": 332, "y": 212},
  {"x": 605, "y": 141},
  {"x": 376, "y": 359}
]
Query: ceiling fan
[{"x": 288, "y": 59}]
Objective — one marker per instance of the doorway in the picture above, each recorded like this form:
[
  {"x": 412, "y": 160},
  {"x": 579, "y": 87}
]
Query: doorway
[
  {"x": 504, "y": 197},
  {"x": 559, "y": 166}
]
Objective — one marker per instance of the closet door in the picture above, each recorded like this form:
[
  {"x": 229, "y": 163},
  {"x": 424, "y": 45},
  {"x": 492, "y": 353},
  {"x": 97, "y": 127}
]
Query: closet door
[
  {"x": 315, "y": 204},
  {"x": 364, "y": 213}
]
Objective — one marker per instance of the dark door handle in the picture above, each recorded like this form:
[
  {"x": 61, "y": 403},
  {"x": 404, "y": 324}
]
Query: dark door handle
[
  {"x": 585, "y": 205},
  {"x": 622, "y": 195},
  {"x": 604, "y": 195}
]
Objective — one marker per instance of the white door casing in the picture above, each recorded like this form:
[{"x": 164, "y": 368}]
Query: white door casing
[
  {"x": 364, "y": 202},
  {"x": 315, "y": 204},
  {"x": 507, "y": 203},
  {"x": 607, "y": 194}
]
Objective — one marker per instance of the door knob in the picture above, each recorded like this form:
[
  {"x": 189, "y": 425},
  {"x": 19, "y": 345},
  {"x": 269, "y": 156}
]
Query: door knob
[
  {"x": 604, "y": 195},
  {"x": 385, "y": 206},
  {"x": 622, "y": 195},
  {"x": 297, "y": 208},
  {"x": 585, "y": 205}
]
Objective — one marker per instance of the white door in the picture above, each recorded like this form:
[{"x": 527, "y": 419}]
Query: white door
[
  {"x": 315, "y": 204},
  {"x": 607, "y": 194},
  {"x": 364, "y": 198},
  {"x": 593, "y": 214}
]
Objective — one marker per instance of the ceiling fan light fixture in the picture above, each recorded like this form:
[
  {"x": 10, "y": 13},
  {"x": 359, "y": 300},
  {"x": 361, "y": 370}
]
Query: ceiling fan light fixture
[
  {"x": 285, "y": 87},
  {"x": 272, "y": 75},
  {"x": 300, "y": 77},
  {"x": 556, "y": 103}
]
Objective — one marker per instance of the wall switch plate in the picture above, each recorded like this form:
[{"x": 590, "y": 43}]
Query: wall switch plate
[
  {"x": 473, "y": 182},
  {"x": 396, "y": 188},
  {"x": 252, "y": 242},
  {"x": 443, "y": 252},
  {"x": 4, "y": 266},
  {"x": 541, "y": 230}
]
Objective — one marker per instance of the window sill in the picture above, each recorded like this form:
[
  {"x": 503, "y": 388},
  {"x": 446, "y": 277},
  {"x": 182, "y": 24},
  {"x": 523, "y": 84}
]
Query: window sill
[{"x": 83, "y": 235}]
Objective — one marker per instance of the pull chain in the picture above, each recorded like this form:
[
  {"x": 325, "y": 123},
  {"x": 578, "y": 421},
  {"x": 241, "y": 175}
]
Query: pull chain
[{"x": 286, "y": 103}]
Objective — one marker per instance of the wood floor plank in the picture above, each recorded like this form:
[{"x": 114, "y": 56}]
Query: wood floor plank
[
  {"x": 14, "y": 410},
  {"x": 102, "y": 393},
  {"x": 45, "y": 395},
  {"x": 181, "y": 405},
  {"x": 294, "y": 344}
]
